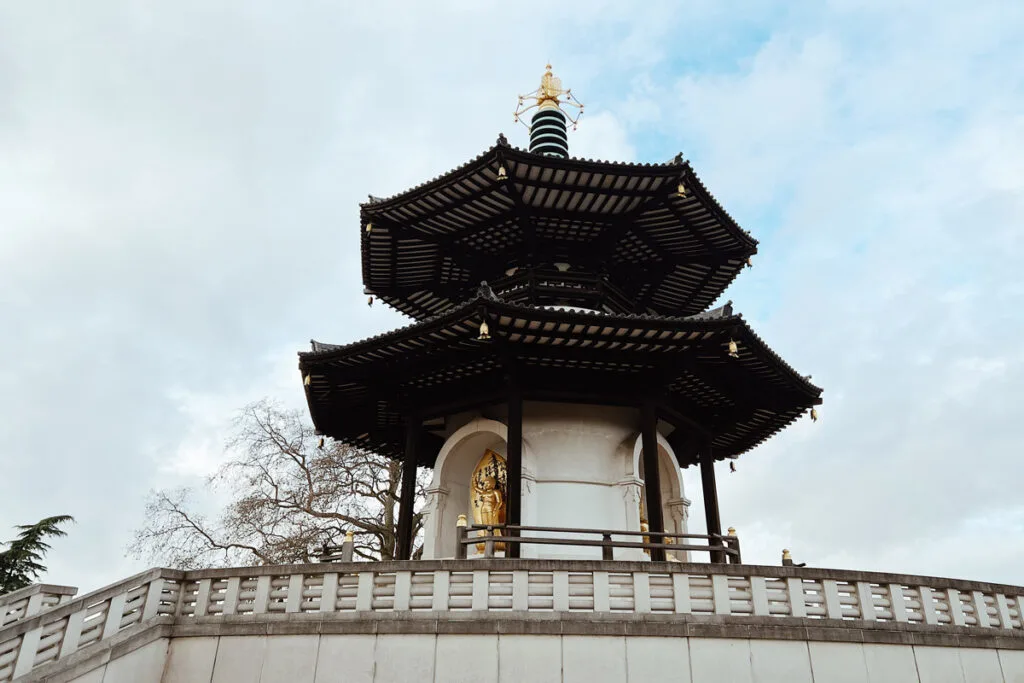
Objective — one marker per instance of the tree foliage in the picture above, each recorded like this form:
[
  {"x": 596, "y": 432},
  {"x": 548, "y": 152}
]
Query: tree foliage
[
  {"x": 22, "y": 562},
  {"x": 288, "y": 496}
]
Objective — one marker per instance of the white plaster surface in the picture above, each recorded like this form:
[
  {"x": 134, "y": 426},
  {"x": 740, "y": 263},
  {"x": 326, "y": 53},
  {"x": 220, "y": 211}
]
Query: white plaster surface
[
  {"x": 838, "y": 662},
  {"x": 657, "y": 659},
  {"x": 587, "y": 659},
  {"x": 145, "y": 665},
  {"x": 466, "y": 659},
  {"x": 239, "y": 659},
  {"x": 535, "y": 659},
  {"x": 720, "y": 659},
  {"x": 346, "y": 658},
  {"x": 980, "y": 666},
  {"x": 401, "y": 658},
  {"x": 190, "y": 659},
  {"x": 890, "y": 663},
  {"x": 578, "y": 464},
  {"x": 1012, "y": 664},
  {"x": 780, "y": 660},
  {"x": 938, "y": 665},
  {"x": 290, "y": 659}
]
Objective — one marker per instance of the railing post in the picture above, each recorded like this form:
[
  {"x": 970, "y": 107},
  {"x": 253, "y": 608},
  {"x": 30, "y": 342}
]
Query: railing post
[
  {"x": 35, "y": 605},
  {"x": 607, "y": 552},
  {"x": 27, "y": 652},
  {"x": 460, "y": 538},
  {"x": 348, "y": 547},
  {"x": 733, "y": 542},
  {"x": 489, "y": 543}
]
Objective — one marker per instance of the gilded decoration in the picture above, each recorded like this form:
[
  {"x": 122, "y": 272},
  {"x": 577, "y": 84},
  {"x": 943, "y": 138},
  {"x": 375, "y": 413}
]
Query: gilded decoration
[{"x": 489, "y": 483}]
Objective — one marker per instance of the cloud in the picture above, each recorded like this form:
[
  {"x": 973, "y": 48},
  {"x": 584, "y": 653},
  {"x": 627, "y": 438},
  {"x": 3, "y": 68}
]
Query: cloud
[{"x": 180, "y": 195}]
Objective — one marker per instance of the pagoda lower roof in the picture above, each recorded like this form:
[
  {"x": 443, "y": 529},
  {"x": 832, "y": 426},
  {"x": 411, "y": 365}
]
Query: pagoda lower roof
[
  {"x": 658, "y": 250},
  {"x": 363, "y": 393}
]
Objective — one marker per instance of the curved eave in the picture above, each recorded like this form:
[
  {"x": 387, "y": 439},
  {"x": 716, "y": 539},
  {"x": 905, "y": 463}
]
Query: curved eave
[
  {"x": 353, "y": 389},
  {"x": 431, "y": 243}
]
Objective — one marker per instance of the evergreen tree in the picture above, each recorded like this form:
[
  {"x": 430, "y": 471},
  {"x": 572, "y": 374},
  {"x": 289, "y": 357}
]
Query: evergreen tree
[{"x": 22, "y": 562}]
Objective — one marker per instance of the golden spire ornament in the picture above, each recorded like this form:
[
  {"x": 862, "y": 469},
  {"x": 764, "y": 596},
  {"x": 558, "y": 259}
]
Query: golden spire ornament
[{"x": 553, "y": 108}]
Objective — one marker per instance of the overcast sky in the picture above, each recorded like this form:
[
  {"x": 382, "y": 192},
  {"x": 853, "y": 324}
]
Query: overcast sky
[{"x": 179, "y": 188}]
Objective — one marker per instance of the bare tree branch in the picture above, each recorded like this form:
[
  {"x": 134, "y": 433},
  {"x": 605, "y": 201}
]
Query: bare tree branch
[{"x": 288, "y": 498}]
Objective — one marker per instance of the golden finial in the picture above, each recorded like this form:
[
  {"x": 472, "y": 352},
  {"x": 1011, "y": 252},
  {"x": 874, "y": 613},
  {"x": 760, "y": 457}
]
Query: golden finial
[
  {"x": 550, "y": 95},
  {"x": 349, "y": 536},
  {"x": 732, "y": 531}
]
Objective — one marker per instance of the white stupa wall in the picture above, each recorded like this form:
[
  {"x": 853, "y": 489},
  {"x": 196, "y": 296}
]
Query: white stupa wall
[{"x": 581, "y": 469}]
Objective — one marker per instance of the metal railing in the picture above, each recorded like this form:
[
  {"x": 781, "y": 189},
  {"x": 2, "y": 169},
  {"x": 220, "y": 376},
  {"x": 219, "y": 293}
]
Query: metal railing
[{"x": 720, "y": 548}]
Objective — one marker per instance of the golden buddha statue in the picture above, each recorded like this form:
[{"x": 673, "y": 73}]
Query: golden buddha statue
[{"x": 488, "y": 484}]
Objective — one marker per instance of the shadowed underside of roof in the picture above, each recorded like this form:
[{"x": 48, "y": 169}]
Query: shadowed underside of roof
[
  {"x": 508, "y": 212},
  {"x": 363, "y": 393}
]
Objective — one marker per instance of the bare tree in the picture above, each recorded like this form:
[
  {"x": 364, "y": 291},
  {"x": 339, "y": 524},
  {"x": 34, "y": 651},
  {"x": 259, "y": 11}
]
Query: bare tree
[{"x": 290, "y": 494}]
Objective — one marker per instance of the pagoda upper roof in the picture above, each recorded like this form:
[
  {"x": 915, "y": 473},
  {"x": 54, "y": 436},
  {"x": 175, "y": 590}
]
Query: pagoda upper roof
[
  {"x": 653, "y": 249},
  {"x": 362, "y": 393}
]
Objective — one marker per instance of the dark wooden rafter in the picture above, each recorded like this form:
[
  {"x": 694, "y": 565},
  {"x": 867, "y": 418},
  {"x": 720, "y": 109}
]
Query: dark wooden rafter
[
  {"x": 526, "y": 225},
  {"x": 432, "y": 368},
  {"x": 547, "y": 210},
  {"x": 711, "y": 205},
  {"x": 606, "y": 244}
]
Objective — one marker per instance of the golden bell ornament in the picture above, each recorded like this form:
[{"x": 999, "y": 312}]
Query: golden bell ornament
[
  {"x": 307, "y": 380},
  {"x": 485, "y": 331},
  {"x": 369, "y": 302},
  {"x": 502, "y": 173},
  {"x": 814, "y": 415},
  {"x": 681, "y": 190},
  {"x": 734, "y": 351},
  {"x": 369, "y": 228},
  {"x": 321, "y": 444}
]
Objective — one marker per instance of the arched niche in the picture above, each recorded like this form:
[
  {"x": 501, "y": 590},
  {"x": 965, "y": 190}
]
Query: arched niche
[
  {"x": 674, "y": 504},
  {"x": 449, "y": 493}
]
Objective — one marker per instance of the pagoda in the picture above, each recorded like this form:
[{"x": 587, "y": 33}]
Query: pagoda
[{"x": 564, "y": 362}]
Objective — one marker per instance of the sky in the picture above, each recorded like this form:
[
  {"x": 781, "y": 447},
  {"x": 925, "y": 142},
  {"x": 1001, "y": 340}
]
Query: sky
[{"x": 179, "y": 189}]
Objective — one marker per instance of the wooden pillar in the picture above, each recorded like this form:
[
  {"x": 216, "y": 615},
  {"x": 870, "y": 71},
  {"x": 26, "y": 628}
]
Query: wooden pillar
[
  {"x": 652, "y": 476},
  {"x": 707, "y": 480},
  {"x": 405, "y": 504},
  {"x": 514, "y": 465}
]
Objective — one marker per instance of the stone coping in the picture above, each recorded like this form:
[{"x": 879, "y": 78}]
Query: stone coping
[
  {"x": 28, "y": 591},
  {"x": 696, "y": 568},
  {"x": 589, "y": 624}
]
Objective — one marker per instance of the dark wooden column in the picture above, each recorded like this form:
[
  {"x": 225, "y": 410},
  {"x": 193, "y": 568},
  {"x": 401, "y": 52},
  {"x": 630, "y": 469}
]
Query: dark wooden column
[
  {"x": 707, "y": 480},
  {"x": 514, "y": 464},
  {"x": 652, "y": 476},
  {"x": 412, "y": 440}
]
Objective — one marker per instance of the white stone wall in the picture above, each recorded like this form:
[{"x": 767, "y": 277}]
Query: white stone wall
[
  {"x": 580, "y": 470},
  {"x": 541, "y": 659}
]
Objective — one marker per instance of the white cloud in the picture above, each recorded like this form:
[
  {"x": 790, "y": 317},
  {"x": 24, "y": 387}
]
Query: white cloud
[{"x": 180, "y": 190}]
